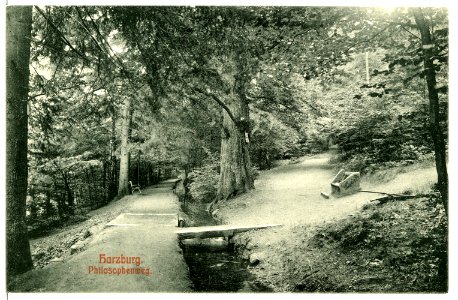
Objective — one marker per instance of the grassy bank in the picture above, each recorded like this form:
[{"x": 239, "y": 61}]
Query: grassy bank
[
  {"x": 393, "y": 247},
  {"x": 347, "y": 244}
]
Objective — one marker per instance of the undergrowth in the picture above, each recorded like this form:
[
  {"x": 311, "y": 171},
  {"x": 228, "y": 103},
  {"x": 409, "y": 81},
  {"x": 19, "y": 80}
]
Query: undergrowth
[{"x": 395, "y": 247}]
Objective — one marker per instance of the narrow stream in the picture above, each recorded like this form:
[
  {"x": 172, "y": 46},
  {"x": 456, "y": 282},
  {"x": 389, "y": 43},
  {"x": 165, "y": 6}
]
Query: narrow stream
[{"x": 213, "y": 269}]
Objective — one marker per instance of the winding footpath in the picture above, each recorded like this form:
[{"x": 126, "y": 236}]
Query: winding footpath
[
  {"x": 291, "y": 194},
  {"x": 136, "y": 252}
]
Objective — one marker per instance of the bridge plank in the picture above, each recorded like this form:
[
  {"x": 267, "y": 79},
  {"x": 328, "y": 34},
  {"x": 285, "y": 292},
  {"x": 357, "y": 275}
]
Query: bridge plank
[{"x": 217, "y": 231}]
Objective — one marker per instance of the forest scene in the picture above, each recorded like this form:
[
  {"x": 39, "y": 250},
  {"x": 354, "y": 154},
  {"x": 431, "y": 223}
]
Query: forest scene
[{"x": 131, "y": 127}]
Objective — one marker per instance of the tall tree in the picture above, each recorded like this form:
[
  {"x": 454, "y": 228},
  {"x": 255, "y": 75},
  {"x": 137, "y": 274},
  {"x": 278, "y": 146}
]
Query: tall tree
[
  {"x": 396, "y": 33},
  {"x": 243, "y": 41},
  {"x": 434, "y": 124},
  {"x": 214, "y": 52},
  {"x": 84, "y": 48},
  {"x": 235, "y": 164},
  {"x": 124, "y": 163},
  {"x": 226, "y": 64},
  {"x": 19, "y": 26}
]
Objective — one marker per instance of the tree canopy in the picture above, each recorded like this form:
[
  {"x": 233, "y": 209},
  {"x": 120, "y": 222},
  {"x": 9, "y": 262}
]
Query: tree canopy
[{"x": 137, "y": 94}]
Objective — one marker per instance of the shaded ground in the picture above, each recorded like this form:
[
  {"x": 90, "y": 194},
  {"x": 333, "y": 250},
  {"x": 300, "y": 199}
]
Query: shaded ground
[
  {"x": 341, "y": 244},
  {"x": 145, "y": 229},
  {"x": 395, "y": 247},
  {"x": 56, "y": 245},
  {"x": 325, "y": 244},
  {"x": 290, "y": 194}
]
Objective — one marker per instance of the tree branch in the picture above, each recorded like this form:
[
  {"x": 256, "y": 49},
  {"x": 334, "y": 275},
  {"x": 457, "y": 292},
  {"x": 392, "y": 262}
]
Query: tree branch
[
  {"x": 219, "y": 101},
  {"x": 87, "y": 30},
  {"x": 61, "y": 34},
  {"x": 399, "y": 198},
  {"x": 104, "y": 41},
  {"x": 403, "y": 26}
]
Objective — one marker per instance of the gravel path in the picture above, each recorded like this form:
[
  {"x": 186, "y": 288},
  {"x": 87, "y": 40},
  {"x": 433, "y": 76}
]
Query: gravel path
[
  {"x": 140, "y": 239},
  {"x": 290, "y": 194}
]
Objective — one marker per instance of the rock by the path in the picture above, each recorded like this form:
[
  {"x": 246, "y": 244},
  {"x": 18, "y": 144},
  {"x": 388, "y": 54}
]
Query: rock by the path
[
  {"x": 250, "y": 245},
  {"x": 71, "y": 241},
  {"x": 325, "y": 195},
  {"x": 86, "y": 234},
  {"x": 56, "y": 259},
  {"x": 256, "y": 258},
  {"x": 38, "y": 254},
  {"x": 77, "y": 247}
]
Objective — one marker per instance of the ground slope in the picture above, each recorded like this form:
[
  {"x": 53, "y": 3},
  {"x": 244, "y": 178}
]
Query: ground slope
[
  {"x": 145, "y": 229},
  {"x": 347, "y": 244},
  {"x": 290, "y": 194}
]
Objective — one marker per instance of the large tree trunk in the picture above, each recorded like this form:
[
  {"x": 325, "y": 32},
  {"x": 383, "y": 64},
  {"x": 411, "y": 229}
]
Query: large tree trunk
[
  {"x": 48, "y": 205},
  {"x": 434, "y": 124},
  {"x": 235, "y": 176},
  {"x": 112, "y": 168},
  {"x": 18, "y": 31},
  {"x": 235, "y": 166},
  {"x": 123, "y": 187},
  {"x": 70, "y": 199}
]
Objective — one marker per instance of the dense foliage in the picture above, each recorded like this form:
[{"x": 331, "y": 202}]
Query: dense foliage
[{"x": 311, "y": 78}]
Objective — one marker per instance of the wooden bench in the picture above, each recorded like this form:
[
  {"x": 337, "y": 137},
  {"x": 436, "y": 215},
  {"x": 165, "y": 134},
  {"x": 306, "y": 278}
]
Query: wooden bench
[
  {"x": 345, "y": 183},
  {"x": 134, "y": 188}
]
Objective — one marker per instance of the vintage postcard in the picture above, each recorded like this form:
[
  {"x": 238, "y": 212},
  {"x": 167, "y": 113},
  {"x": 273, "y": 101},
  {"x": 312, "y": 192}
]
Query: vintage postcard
[{"x": 251, "y": 148}]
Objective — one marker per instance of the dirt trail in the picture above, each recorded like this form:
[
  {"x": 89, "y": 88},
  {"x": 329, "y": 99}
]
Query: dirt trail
[
  {"x": 321, "y": 249},
  {"x": 146, "y": 229},
  {"x": 290, "y": 194}
]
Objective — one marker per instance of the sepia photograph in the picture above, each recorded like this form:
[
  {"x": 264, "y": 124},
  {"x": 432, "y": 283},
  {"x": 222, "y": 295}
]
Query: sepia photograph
[{"x": 260, "y": 149}]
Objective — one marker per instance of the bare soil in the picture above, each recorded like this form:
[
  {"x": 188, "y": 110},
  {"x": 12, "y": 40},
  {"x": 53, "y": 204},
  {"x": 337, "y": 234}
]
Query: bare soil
[
  {"x": 140, "y": 226},
  {"x": 343, "y": 244},
  {"x": 290, "y": 194},
  {"x": 56, "y": 245}
]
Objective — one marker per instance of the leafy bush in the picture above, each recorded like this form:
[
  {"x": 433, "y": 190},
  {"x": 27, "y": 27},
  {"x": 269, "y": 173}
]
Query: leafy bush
[
  {"x": 272, "y": 139},
  {"x": 316, "y": 142},
  {"x": 379, "y": 139},
  {"x": 204, "y": 182},
  {"x": 401, "y": 246}
]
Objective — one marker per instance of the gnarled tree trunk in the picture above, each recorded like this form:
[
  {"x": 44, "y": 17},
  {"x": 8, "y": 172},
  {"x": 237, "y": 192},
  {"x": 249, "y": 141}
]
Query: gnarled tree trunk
[
  {"x": 235, "y": 176},
  {"x": 18, "y": 31},
  {"x": 235, "y": 166}
]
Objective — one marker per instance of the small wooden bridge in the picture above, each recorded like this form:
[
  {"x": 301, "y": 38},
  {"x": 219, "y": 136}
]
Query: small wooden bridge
[{"x": 217, "y": 231}]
